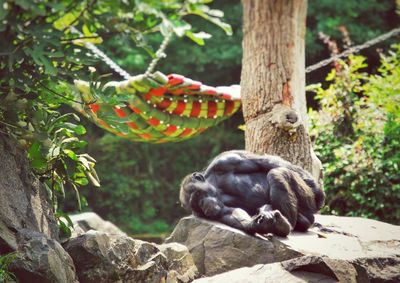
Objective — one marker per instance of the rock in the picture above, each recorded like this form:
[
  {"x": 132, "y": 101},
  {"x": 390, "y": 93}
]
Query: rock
[
  {"x": 217, "y": 248},
  {"x": 23, "y": 200},
  {"x": 42, "y": 260},
  {"x": 371, "y": 244},
  {"x": 91, "y": 221},
  {"x": 365, "y": 244},
  {"x": 102, "y": 257},
  {"x": 302, "y": 269},
  {"x": 180, "y": 262}
]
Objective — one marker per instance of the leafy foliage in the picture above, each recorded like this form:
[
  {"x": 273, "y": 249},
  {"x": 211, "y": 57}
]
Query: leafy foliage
[
  {"x": 5, "y": 261},
  {"x": 39, "y": 59},
  {"x": 357, "y": 134}
]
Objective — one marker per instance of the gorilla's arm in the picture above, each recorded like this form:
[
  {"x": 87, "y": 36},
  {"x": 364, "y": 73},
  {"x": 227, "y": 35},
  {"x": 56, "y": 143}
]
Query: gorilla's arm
[{"x": 266, "y": 221}]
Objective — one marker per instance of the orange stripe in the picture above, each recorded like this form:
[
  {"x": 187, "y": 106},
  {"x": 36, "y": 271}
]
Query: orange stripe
[
  {"x": 178, "y": 91},
  {"x": 196, "y": 107},
  {"x": 153, "y": 121},
  {"x": 185, "y": 132},
  {"x": 148, "y": 96},
  {"x": 180, "y": 107},
  {"x": 195, "y": 85},
  {"x": 94, "y": 107},
  {"x": 170, "y": 130},
  {"x": 145, "y": 136},
  {"x": 175, "y": 79},
  {"x": 158, "y": 91},
  {"x": 136, "y": 110},
  {"x": 121, "y": 113},
  {"x": 212, "y": 109},
  {"x": 229, "y": 105},
  {"x": 132, "y": 125},
  {"x": 226, "y": 96},
  {"x": 104, "y": 124},
  {"x": 164, "y": 104}
]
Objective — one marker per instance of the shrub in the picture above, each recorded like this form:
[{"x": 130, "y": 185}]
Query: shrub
[{"x": 357, "y": 131}]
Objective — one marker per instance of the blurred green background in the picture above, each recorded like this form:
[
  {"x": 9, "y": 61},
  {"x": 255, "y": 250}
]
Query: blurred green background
[{"x": 140, "y": 182}]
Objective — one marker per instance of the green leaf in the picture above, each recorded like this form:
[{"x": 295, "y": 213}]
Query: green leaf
[
  {"x": 71, "y": 154},
  {"x": 65, "y": 21},
  {"x": 81, "y": 181},
  {"x": 78, "y": 129},
  {"x": 198, "y": 37},
  {"x": 34, "y": 154}
]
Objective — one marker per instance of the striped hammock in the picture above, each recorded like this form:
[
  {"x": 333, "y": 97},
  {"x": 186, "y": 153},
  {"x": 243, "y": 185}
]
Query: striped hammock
[{"x": 156, "y": 108}]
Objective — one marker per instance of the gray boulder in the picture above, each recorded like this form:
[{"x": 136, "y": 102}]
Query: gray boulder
[
  {"x": 91, "y": 221},
  {"x": 365, "y": 244},
  {"x": 23, "y": 200},
  {"x": 216, "y": 247},
  {"x": 102, "y": 257},
  {"x": 27, "y": 222},
  {"x": 42, "y": 260},
  {"x": 180, "y": 263}
]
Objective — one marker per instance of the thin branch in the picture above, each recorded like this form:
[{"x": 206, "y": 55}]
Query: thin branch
[{"x": 353, "y": 50}]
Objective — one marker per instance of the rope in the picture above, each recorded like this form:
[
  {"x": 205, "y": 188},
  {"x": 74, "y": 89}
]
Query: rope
[
  {"x": 159, "y": 54},
  {"x": 103, "y": 56},
  {"x": 354, "y": 49}
]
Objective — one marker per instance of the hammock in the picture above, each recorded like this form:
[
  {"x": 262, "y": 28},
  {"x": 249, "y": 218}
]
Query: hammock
[{"x": 156, "y": 108}]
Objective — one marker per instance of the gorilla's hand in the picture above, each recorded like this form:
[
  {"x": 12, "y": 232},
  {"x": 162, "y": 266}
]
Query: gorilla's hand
[
  {"x": 205, "y": 204},
  {"x": 271, "y": 221},
  {"x": 211, "y": 207}
]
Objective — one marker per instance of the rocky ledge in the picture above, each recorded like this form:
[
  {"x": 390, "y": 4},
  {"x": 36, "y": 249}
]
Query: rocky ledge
[{"x": 365, "y": 249}]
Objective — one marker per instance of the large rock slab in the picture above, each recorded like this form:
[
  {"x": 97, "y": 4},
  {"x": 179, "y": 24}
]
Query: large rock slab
[
  {"x": 303, "y": 269},
  {"x": 102, "y": 257},
  {"x": 23, "y": 200},
  {"x": 216, "y": 247},
  {"x": 86, "y": 221},
  {"x": 368, "y": 244}
]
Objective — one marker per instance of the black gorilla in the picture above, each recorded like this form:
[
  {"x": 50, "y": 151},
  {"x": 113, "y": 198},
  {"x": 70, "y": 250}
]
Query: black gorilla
[{"x": 255, "y": 193}]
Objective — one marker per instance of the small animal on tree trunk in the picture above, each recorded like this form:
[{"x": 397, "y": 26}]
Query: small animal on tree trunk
[{"x": 255, "y": 193}]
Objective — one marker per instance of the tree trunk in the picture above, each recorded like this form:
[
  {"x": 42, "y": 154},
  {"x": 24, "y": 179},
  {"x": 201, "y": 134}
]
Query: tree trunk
[{"x": 273, "y": 80}]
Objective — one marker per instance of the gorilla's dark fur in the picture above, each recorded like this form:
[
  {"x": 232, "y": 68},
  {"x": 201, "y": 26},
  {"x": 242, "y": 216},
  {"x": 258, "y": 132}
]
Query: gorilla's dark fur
[{"x": 255, "y": 193}]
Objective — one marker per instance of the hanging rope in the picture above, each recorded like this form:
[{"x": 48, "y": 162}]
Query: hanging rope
[
  {"x": 114, "y": 66},
  {"x": 352, "y": 50},
  {"x": 159, "y": 54}
]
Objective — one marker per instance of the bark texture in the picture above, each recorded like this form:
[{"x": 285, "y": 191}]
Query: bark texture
[{"x": 273, "y": 80}]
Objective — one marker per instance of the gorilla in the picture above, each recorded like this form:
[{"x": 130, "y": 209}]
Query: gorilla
[{"x": 254, "y": 193}]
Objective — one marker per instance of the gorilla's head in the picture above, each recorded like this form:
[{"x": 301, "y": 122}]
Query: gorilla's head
[{"x": 199, "y": 196}]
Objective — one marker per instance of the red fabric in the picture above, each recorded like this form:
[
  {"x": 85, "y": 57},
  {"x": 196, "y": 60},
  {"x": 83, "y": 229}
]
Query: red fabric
[
  {"x": 175, "y": 79},
  {"x": 196, "y": 107},
  {"x": 153, "y": 121},
  {"x": 164, "y": 104},
  {"x": 145, "y": 136},
  {"x": 180, "y": 107},
  {"x": 121, "y": 113},
  {"x": 134, "y": 109},
  {"x": 94, "y": 107},
  {"x": 229, "y": 106},
  {"x": 212, "y": 109},
  {"x": 185, "y": 132},
  {"x": 170, "y": 130},
  {"x": 132, "y": 125}
]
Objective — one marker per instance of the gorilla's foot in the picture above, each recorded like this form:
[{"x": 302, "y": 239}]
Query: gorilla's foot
[{"x": 271, "y": 222}]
